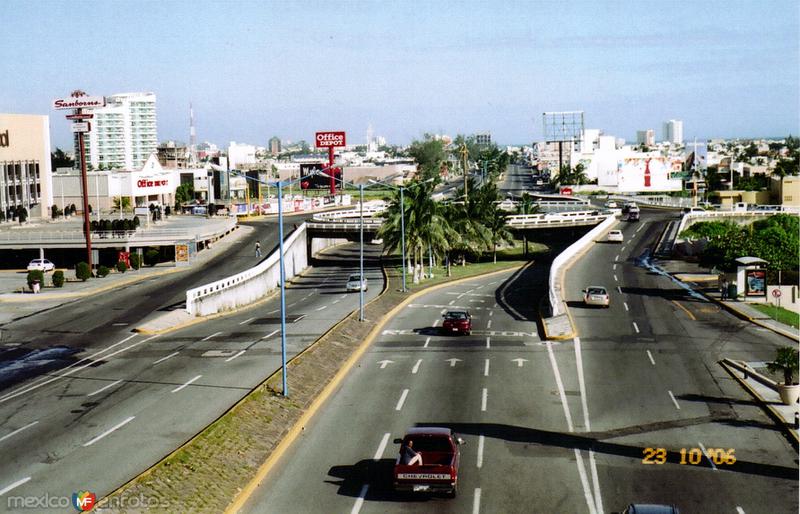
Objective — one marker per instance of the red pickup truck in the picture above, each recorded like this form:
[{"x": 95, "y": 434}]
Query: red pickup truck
[{"x": 438, "y": 472}]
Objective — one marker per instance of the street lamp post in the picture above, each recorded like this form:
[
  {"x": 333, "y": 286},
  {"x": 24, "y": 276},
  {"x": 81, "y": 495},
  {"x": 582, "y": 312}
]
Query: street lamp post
[
  {"x": 361, "y": 254},
  {"x": 403, "y": 234},
  {"x": 282, "y": 279}
]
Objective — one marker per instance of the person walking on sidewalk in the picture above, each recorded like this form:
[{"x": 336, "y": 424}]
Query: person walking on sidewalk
[
  {"x": 258, "y": 249},
  {"x": 723, "y": 294}
]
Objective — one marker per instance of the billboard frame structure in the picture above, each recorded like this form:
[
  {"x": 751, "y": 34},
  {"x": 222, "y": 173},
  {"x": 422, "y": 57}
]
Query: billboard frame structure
[{"x": 561, "y": 126}]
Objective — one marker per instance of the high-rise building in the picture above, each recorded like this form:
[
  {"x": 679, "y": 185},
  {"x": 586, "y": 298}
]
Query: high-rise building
[
  {"x": 646, "y": 137},
  {"x": 483, "y": 138},
  {"x": 25, "y": 179},
  {"x": 123, "y": 132},
  {"x": 274, "y": 145},
  {"x": 673, "y": 131}
]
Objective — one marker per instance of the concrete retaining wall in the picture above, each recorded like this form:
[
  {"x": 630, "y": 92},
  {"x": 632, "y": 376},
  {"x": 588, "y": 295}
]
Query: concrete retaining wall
[{"x": 257, "y": 282}]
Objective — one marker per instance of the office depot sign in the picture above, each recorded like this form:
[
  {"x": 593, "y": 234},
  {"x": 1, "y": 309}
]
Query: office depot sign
[
  {"x": 81, "y": 102},
  {"x": 330, "y": 139}
]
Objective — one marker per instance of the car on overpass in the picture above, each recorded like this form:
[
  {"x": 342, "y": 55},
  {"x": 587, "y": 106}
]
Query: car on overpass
[
  {"x": 596, "y": 296},
  {"x": 353, "y": 283},
  {"x": 458, "y": 322}
]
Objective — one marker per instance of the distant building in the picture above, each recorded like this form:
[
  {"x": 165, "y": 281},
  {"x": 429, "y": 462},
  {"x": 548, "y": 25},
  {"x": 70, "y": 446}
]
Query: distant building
[
  {"x": 123, "y": 132},
  {"x": 25, "y": 177},
  {"x": 673, "y": 132},
  {"x": 172, "y": 154},
  {"x": 484, "y": 138},
  {"x": 275, "y": 145},
  {"x": 206, "y": 151},
  {"x": 646, "y": 137},
  {"x": 786, "y": 190},
  {"x": 239, "y": 153}
]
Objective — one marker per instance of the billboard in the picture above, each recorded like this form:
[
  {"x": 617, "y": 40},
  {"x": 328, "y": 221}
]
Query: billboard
[
  {"x": 755, "y": 282},
  {"x": 319, "y": 181},
  {"x": 330, "y": 139},
  {"x": 636, "y": 174}
]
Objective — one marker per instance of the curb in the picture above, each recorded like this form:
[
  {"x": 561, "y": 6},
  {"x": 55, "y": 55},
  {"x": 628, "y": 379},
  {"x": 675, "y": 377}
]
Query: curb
[
  {"x": 771, "y": 412},
  {"x": 741, "y": 315},
  {"x": 285, "y": 443}
]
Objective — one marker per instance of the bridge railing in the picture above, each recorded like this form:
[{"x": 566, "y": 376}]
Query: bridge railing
[
  {"x": 369, "y": 210},
  {"x": 691, "y": 217}
]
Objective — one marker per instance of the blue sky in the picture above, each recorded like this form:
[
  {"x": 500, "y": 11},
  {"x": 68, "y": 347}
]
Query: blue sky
[{"x": 258, "y": 69}]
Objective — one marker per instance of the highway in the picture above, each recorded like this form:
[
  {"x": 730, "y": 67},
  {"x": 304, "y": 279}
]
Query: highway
[
  {"x": 108, "y": 409},
  {"x": 552, "y": 427}
]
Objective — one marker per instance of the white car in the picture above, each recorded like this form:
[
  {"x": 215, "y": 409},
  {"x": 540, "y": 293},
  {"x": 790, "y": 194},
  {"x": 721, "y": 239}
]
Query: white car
[
  {"x": 41, "y": 265},
  {"x": 615, "y": 236},
  {"x": 596, "y": 295},
  {"x": 353, "y": 283},
  {"x": 611, "y": 204}
]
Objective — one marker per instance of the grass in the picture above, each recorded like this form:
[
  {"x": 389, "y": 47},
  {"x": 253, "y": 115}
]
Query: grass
[{"x": 780, "y": 314}]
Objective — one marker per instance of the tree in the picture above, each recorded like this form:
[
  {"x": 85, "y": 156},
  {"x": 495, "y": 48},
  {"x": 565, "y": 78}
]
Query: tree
[
  {"x": 429, "y": 155},
  {"x": 59, "y": 159},
  {"x": 786, "y": 361},
  {"x": 125, "y": 201},
  {"x": 184, "y": 194},
  {"x": 526, "y": 206}
]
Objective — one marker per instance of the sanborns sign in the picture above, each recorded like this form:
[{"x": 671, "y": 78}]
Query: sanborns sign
[
  {"x": 328, "y": 139},
  {"x": 82, "y": 102}
]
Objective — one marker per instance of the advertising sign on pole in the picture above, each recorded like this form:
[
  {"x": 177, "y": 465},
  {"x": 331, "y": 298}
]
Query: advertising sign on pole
[
  {"x": 83, "y": 126},
  {"x": 81, "y": 102},
  {"x": 756, "y": 282},
  {"x": 330, "y": 139},
  {"x": 80, "y": 117}
]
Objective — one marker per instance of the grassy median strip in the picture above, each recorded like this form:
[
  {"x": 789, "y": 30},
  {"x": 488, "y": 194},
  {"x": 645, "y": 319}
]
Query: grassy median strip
[
  {"x": 779, "y": 314},
  {"x": 207, "y": 472}
]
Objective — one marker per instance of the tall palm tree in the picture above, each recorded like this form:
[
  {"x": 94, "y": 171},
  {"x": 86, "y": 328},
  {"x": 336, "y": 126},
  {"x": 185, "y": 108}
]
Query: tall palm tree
[
  {"x": 526, "y": 206},
  {"x": 499, "y": 231}
]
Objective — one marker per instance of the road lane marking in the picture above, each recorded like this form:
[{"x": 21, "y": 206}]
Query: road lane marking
[
  {"x": 596, "y": 481},
  {"x": 560, "y": 386},
  {"x": 614, "y": 267},
  {"x": 435, "y": 323},
  {"x": 291, "y": 305},
  {"x": 520, "y": 361},
  {"x": 385, "y": 363},
  {"x": 241, "y": 352},
  {"x": 299, "y": 318},
  {"x": 451, "y": 302},
  {"x": 488, "y": 342},
  {"x": 17, "y": 431},
  {"x": 739, "y": 510},
  {"x": 71, "y": 370},
  {"x": 615, "y": 278},
  {"x": 587, "y": 492},
  {"x": 112, "y": 384},
  {"x": 14, "y": 485},
  {"x": 486, "y": 368},
  {"x": 416, "y": 367},
  {"x": 381, "y": 447},
  {"x": 402, "y": 400},
  {"x": 491, "y": 313},
  {"x": 710, "y": 460},
  {"x": 360, "y": 499},
  {"x": 625, "y": 304},
  {"x": 640, "y": 228},
  {"x": 271, "y": 333},
  {"x": 687, "y": 311},
  {"x": 453, "y": 361},
  {"x": 650, "y": 356},
  {"x": 484, "y": 396},
  {"x": 343, "y": 296},
  {"x": 335, "y": 302},
  {"x": 427, "y": 340},
  {"x": 480, "y": 450},
  {"x": 322, "y": 308},
  {"x": 443, "y": 311},
  {"x": 636, "y": 327},
  {"x": 115, "y": 427},
  {"x": 489, "y": 324},
  {"x": 215, "y": 334},
  {"x": 674, "y": 400},
  {"x": 476, "y": 501},
  {"x": 186, "y": 384},
  {"x": 248, "y": 320},
  {"x": 273, "y": 312},
  {"x": 162, "y": 359},
  {"x": 616, "y": 258},
  {"x": 581, "y": 383},
  {"x": 619, "y": 289}
]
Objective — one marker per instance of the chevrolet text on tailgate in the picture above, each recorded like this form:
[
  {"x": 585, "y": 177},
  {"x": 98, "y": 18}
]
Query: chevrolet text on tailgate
[{"x": 428, "y": 461}]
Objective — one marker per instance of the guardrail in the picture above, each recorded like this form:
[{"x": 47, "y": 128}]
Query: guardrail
[
  {"x": 659, "y": 201},
  {"x": 693, "y": 216},
  {"x": 567, "y": 218},
  {"x": 369, "y": 210},
  {"x": 346, "y": 226}
]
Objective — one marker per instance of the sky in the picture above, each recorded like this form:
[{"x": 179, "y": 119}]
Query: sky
[{"x": 253, "y": 70}]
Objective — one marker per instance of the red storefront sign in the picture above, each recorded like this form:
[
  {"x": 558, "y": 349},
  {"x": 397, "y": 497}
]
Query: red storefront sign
[
  {"x": 330, "y": 139},
  {"x": 152, "y": 183},
  {"x": 124, "y": 257}
]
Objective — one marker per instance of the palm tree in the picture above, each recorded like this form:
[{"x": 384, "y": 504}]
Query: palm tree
[{"x": 526, "y": 206}]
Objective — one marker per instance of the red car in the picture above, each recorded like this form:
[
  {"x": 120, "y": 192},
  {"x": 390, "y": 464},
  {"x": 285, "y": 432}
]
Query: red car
[{"x": 457, "y": 322}]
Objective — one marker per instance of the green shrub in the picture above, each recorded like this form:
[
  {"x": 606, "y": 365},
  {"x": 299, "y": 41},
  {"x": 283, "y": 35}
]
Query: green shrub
[
  {"x": 151, "y": 257},
  {"x": 35, "y": 275},
  {"x": 58, "y": 278},
  {"x": 102, "y": 271},
  {"x": 136, "y": 261},
  {"x": 122, "y": 267},
  {"x": 82, "y": 271}
]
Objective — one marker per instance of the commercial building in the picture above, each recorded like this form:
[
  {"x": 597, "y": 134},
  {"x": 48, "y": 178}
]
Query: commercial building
[
  {"x": 239, "y": 153},
  {"x": 24, "y": 163},
  {"x": 123, "y": 133},
  {"x": 673, "y": 132},
  {"x": 786, "y": 190},
  {"x": 172, "y": 154},
  {"x": 646, "y": 137},
  {"x": 483, "y": 138}
]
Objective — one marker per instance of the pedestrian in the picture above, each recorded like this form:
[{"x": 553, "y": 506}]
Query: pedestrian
[
  {"x": 258, "y": 249},
  {"x": 408, "y": 456},
  {"x": 724, "y": 289}
]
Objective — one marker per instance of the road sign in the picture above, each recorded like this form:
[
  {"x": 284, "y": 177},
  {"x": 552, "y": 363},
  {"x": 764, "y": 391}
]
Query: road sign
[
  {"x": 81, "y": 102},
  {"x": 330, "y": 139},
  {"x": 776, "y": 293},
  {"x": 81, "y": 116},
  {"x": 81, "y": 126}
]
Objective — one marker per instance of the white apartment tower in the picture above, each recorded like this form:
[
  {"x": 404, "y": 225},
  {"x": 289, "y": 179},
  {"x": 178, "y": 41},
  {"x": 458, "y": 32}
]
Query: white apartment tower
[
  {"x": 646, "y": 137},
  {"x": 673, "y": 131},
  {"x": 123, "y": 132}
]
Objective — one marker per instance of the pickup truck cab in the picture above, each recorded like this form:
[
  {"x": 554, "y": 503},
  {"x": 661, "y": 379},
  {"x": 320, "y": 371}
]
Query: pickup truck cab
[{"x": 438, "y": 472}]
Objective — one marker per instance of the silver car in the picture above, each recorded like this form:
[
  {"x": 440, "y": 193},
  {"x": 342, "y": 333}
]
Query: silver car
[
  {"x": 596, "y": 295},
  {"x": 41, "y": 265},
  {"x": 353, "y": 283}
]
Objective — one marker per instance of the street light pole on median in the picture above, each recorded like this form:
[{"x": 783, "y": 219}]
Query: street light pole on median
[
  {"x": 361, "y": 254},
  {"x": 403, "y": 235},
  {"x": 283, "y": 296}
]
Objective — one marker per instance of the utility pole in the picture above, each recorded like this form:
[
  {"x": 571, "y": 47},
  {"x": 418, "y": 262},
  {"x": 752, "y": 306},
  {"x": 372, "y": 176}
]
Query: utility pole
[{"x": 464, "y": 155}]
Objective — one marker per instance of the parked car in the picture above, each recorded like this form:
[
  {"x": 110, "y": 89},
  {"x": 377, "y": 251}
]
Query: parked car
[
  {"x": 615, "y": 236},
  {"x": 596, "y": 295},
  {"x": 438, "y": 449},
  {"x": 41, "y": 265},
  {"x": 353, "y": 283},
  {"x": 459, "y": 322}
]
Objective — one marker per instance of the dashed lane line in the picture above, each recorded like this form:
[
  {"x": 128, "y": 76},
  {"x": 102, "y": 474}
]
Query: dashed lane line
[
  {"x": 625, "y": 304},
  {"x": 674, "y": 400},
  {"x": 710, "y": 460},
  {"x": 271, "y": 334},
  {"x": 476, "y": 501},
  {"x": 215, "y": 334},
  {"x": 360, "y": 500},
  {"x": 245, "y": 322},
  {"x": 402, "y": 400},
  {"x": 650, "y": 356},
  {"x": 14, "y": 485},
  {"x": 239, "y": 353},
  {"x": 484, "y": 399},
  {"x": 636, "y": 327},
  {"x": 110, "y": 430},
  {"x": 486, "y": 368},
  {"x": 427, "y": 340},
  {"x": 480, "y": 450},
  {"x": 17, "y": 431},
  {"x": 162, "y": 359},
  {"x": 416, "y": 367},
  {"x": 180, "y": 387},
  {"x": 108, "y": 386}
]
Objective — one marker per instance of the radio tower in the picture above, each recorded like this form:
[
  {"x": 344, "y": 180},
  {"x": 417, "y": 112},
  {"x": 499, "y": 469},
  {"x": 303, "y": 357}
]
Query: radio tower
[{"x": 192, "y": 137}]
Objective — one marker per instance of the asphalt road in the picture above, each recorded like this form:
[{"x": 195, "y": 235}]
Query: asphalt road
[
  {"x": 552, "y": 427},
  {"x": 132, "y": 399}
]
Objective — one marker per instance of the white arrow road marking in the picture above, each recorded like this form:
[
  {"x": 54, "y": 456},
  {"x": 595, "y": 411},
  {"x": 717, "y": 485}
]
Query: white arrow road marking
[
  {"x": 17, "y": 431},
  {"x": 519, "y": 361},
  {"x": 452, "y": 361},
  {"x": 385, "y": 363},
  {"x": 14, "y": 485},
  {"x": 115, "y": 427}
]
